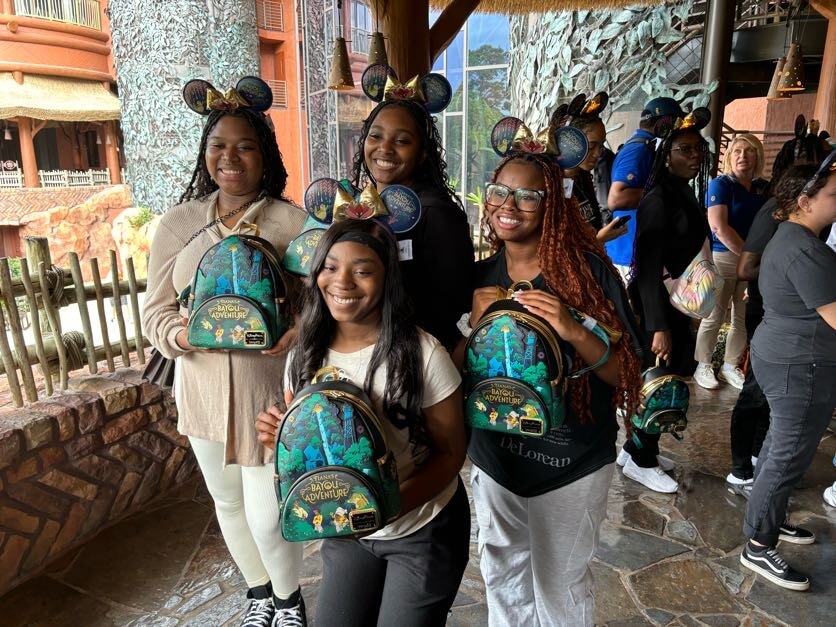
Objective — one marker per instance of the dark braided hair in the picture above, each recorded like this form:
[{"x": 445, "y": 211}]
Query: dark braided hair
[
  {"x": 432, "y": 171},
  {"x": 662, "y": 158},
  {"x": 274, "y": 180},
  {"x": 564, "y": 242}
]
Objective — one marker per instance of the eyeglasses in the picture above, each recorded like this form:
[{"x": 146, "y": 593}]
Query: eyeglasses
[
  {"x": 525, "y": 199},
  {"x": 687, "y": 150},
  {"x": 829, "y": 165}
]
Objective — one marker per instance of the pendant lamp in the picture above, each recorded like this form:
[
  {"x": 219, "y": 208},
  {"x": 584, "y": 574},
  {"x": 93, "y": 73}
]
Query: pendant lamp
[
  {"x": 340, "y": 77},
  {"x": 377, "y": 49},
  {"x": 792, "y": 76},
  {"x": 773, "y": 93}
]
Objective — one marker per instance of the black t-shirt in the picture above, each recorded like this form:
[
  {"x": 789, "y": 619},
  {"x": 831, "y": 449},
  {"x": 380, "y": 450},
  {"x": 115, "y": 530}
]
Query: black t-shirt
[
  {"x": 762, "y": 229},
  {"x": 797, "y": 276},
  {"x": 530, "y": 466},
  {"x": 437, "y": 263}
]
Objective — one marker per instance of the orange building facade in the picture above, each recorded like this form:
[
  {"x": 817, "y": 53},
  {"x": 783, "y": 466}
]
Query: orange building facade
[{"x": 58, "y": 110}]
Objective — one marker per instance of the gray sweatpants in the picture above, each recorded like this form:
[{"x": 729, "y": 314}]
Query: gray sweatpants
[{"x": 535, "y": 552}]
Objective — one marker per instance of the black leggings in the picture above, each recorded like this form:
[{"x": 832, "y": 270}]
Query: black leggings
[{"x": 408, "y": 582}]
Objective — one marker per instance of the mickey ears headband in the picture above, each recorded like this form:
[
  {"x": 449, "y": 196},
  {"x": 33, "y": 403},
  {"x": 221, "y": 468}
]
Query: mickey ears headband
[
  {"x": 567, "y": 145},
  {"x": 327, "y": 201},
  {"x": 380, "y": 83},
  {"x": 697, "y": 120},
  {"x": 250, "y": 93}
]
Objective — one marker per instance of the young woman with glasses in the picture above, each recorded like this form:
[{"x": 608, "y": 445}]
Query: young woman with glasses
[
  {"x": 671, "y": 229},
  {"x": 540, "y": 500}
]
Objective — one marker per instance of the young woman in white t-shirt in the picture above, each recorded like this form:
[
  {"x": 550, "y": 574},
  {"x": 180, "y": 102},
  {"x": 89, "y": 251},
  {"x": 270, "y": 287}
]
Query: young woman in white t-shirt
[{"x": 356, "y": 316}]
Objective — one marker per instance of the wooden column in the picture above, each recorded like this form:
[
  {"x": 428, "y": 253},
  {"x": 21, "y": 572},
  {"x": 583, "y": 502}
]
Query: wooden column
[
  {"x": 27, "y": 152},
  {"x": 76, "y": 146},
  {"x": 111, "y": 155},
  {"x": 7, "y": 7},
  {"x": 825, "y": 109}
]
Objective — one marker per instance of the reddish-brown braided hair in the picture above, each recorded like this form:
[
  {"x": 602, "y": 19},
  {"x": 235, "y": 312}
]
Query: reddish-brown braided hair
[{"x": 565, "y": 239}]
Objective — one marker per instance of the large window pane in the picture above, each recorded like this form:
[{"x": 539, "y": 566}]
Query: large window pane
[
  {"x": 455, "y": 71},
  {"x": 487, "y": 103},
  {"x": 453, "y": 150},
  {"x": 487, "y": 39}
]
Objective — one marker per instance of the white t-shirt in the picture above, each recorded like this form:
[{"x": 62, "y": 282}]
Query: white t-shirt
[
  {"x": 441, "y": 378},
  {"x": 831, "y": 240}
]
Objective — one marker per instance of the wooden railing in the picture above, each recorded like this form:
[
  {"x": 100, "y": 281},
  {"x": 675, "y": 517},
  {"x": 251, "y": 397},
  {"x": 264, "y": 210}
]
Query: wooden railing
[
  {"x": 73, "y": 178},
  {"x": 80, "y": 12},
  {"x": 11, "y": 179},
  {"x": 44, "y": 290}
]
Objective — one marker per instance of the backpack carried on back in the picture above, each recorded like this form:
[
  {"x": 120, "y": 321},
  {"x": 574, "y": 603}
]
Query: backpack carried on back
[
  {"x": 335, "y": 473},
  {"x": 237, "y": 297}
]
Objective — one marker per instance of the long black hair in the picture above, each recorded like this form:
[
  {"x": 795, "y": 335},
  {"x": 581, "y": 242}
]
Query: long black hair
[
  {"x": 274, "y": 180},
  {"x": 431, "y": 171},
  {"x": 397, "y": 346}
]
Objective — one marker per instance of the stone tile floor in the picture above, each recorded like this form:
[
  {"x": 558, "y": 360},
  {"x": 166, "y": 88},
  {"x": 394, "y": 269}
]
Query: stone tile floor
[{"x": 663, "y": 559}]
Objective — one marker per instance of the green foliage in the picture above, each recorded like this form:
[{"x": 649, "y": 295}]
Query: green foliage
[
  {"x": 142, "y": 217},
  {"x": 359, "y": 454}
]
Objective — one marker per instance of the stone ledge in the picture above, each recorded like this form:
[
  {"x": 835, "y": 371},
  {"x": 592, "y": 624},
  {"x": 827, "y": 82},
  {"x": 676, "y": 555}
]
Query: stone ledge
[{"x": 81, "y": 460}]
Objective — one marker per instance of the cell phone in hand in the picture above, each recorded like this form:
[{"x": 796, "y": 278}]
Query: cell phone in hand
[{"x": 621, "y": 221}]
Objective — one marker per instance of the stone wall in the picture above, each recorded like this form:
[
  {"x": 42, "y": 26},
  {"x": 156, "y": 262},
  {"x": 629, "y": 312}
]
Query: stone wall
[{"x": 79, "y": 461}]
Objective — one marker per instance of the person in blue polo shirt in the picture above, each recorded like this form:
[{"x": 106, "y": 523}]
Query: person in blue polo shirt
[
  {"x": 732, "y": 200},
  {"x": 630, "y": 171}
]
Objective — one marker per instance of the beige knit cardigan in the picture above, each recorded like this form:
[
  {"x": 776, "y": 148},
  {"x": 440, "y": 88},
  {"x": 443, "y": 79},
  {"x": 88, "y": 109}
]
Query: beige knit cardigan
[{"x": 218, "y": 394}]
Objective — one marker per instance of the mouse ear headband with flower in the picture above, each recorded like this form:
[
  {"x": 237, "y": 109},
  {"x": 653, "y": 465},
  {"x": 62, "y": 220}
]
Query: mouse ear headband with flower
[
  {"x": 567, "y": 145},
  {"x": 251, "y": 93},
  {"x": 328, "y": 201},
  {"x": 380, "y": 83}
]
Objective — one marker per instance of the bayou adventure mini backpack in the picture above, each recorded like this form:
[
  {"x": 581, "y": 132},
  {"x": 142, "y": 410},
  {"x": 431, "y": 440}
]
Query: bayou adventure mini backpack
[
  {"x": 237, "y": 299},
  {"x": 335, "y": 473},
  {"x": 514, "y": 371}
]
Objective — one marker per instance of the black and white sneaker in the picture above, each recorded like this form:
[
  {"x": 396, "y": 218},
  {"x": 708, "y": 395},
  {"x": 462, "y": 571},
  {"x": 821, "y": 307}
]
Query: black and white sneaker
[
  {"x": 290, "y": 612},
  {"x": 770, "y": 565},
  {"x": 260, "y": 613},
  {"x": 795, "y": 535}
]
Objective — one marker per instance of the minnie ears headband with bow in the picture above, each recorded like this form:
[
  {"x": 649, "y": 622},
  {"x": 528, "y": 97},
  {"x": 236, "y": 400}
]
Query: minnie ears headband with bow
[
  {"x": 697, "y": 120},
  {"x": 566, "y": 143},
  {"x": 250, "y": 93},
  {"x": 327, "y": 201},
  {"x": 380, "y": 83}
]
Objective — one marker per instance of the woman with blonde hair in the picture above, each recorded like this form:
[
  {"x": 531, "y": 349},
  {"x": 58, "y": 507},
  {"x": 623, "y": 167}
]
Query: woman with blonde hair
[{"x": 733, "y": 199}]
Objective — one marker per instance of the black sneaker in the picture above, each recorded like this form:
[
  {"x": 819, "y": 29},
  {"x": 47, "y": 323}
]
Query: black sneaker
[
  {"x": 769, "y": 564},
  {"x": 795, "y": 535},
  {"x": 290, "y": 612},
  {"x": 260, "y": 613}
]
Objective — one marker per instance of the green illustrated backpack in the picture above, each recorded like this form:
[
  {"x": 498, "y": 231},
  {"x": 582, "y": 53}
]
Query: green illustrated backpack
[
  {"x": 335, "y": 473},
  {"x": 515, "y": 370},
  {"x": 237, "y": 298},
  {"x": 664, "y": 405}
]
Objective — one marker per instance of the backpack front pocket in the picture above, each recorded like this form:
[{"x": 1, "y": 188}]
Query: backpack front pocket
[
  {"x": 507, "y": 406},
  {"x": 230, "y": 321},
  {"x": 330, "y": 502}
]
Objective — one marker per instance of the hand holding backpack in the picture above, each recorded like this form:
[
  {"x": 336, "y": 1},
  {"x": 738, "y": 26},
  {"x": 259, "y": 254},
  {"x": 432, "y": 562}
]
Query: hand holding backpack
[{"x": 335, "y": 473}]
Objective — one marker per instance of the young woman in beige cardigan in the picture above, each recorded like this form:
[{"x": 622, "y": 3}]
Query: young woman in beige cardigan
[{"x": 219, "y": 394}]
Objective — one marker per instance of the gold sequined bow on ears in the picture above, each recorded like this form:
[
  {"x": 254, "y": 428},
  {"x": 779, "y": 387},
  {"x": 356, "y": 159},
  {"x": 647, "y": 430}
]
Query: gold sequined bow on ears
[
  {"x": 687, "y": 122},
  {"x": 525, "y": 141},
  {"x": 411, "y": 90},
  {"x": 368, "y": 206},
  {"x": 229, "y": 101}
]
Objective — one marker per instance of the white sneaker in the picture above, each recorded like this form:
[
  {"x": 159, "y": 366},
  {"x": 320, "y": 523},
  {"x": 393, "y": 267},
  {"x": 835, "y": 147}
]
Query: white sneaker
[
  {"x": 664, "y": 463},
  {"x": 704, "y": 376},
  {"x": 732, "y": 375},
  {"x": 653, "y": 478},
  {"x": 830, "y": 495}
]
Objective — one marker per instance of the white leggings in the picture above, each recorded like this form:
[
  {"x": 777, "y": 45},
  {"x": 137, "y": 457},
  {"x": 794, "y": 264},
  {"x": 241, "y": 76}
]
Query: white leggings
[{"x": 248, "y": 514}]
